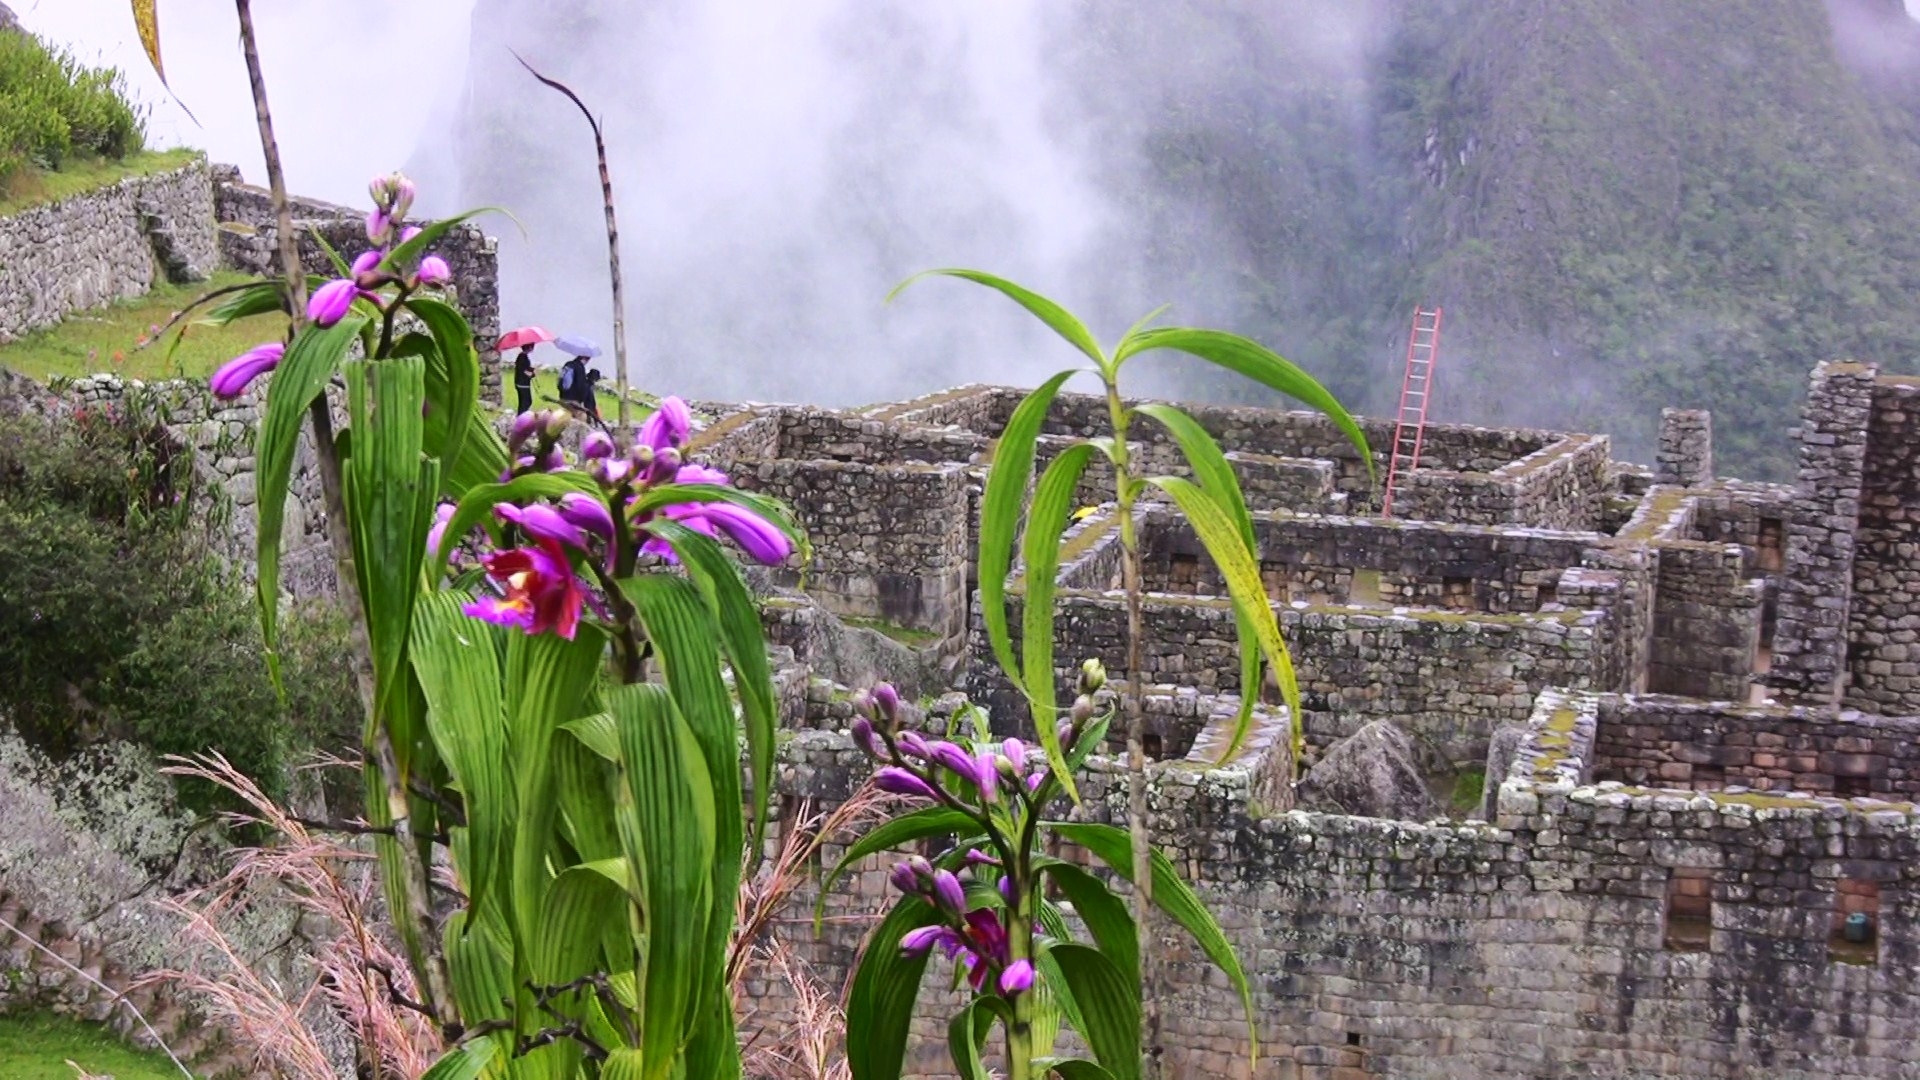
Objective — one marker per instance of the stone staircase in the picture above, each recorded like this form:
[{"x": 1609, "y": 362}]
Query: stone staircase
[
  {"x": 174, "y": 260},
  {"x": 46, "y": 966}
]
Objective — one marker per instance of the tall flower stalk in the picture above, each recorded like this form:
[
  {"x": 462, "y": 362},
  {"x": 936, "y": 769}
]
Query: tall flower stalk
[{"x": 1208, "y": 496}]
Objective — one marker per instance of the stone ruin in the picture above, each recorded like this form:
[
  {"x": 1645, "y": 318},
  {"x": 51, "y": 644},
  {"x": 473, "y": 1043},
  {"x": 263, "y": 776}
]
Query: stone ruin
[
  {"x": 1692, "y": 701},
  {"x": 1685, "y": 694}
]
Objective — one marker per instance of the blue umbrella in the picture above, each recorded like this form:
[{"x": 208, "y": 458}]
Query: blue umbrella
[{"x": 577, "y": 346}]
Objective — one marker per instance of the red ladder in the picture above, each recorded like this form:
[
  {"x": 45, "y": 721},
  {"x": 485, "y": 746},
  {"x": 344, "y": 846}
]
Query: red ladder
[{"x": 1416, "y": 390}]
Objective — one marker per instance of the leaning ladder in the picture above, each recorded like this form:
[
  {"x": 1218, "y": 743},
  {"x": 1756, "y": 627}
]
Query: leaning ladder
[{"x": 1416, "y": 390}]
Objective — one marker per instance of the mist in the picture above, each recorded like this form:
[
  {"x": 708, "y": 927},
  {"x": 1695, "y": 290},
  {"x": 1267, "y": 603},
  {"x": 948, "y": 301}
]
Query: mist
[
  {"x": 339, "y": 117},
  {"x": 779, "y": 167}
]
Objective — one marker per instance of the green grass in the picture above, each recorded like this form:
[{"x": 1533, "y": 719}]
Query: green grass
[
  {"x": 36, "y": 187},
  {"x": 912, "y": 639},
  {"x": 1469, "y": 786},
  {"x": 108, "y": 339},
  {"x": 38, "y": 1047}
]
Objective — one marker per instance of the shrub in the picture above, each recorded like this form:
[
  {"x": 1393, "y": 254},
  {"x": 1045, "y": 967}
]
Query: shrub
[
  {"x": 120, "y": 625},
  {"x": 53, "y": 106}
]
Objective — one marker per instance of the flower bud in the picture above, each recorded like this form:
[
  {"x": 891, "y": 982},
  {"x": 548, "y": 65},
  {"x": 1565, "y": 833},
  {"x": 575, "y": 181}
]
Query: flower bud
[
  {"x": 1082, "y": 710},
  {"x": 1016, "y": 752},
  {"x": 557, "y": 421},
  {"x": 555, "y": 461},
  {"x": 948, "y": 892},
  {"x": 1017, "y": 979},
  {"x": 899, "y": 781},
  {"x": 403, "y": 195},
  {"x": 863, "y": 705},
  {"x": 1005, "y": 885},
  {"x": 433, "y": 271},
  {"x": 1093, "y": 675},
  {"x": 865, "y": 738},
  {"x": 597, "y": 444},
  {"x": 409, "y": 233},
  {"x": 365, "y": 263},
  {"x": 888, "y": 701},
  {"x": 903, "y": 878},
  {"x": 921, "y": 942},
  {"x": 524, "y": 425},
  {"x": 377, "y": 190},
  {"x": 379, "y": 228},
  {"x": 976, "y": 857},
  {"x": 912, "y": 745}
]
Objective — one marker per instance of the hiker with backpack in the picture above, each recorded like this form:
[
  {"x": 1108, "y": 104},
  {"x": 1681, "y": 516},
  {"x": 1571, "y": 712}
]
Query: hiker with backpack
[{"x": 576, "y": 381}]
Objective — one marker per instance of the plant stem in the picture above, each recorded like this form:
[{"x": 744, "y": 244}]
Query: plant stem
[
  {"x": 1020, "y": 1028},
  {"x": 1136, "y": 728},
  {"x": 430, "y": 964}
]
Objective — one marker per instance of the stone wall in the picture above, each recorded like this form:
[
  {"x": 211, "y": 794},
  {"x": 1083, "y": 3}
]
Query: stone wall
[
  {"x": 1883, "y": 654},
  {"x": 247, "y": 231},
  {"x": 111, "y": 244},
  {"x": 1542, "y": 944},
  {"x": 889, "y": 542},
  {"x": 1680, "y": 743},
  {"x": 1810, "y": 644},
  {"x": 1686, "y": 447},
  {"x": 1558, "y": 486},
  {"x": 220, "y": 435},
  {"x": 1706, "y": 622}
]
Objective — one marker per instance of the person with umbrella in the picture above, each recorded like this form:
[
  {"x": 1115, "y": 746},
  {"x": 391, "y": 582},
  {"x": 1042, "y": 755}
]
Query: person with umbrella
[
  {"x": 524, "y": 339},
  {"x": 576, "y": 382}
]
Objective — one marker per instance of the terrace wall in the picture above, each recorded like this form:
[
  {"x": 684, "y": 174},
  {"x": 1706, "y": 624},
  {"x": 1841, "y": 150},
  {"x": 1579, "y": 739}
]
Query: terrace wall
[
  {"x": 1883, "y": 655},
  {"x": 1679, "y": 743}
]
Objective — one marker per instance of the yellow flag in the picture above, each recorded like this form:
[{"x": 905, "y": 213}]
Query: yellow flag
[{"x": 146, "y": 16}]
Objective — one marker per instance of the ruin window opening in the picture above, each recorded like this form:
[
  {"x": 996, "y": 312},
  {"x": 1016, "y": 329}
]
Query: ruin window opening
[
  {"x": 1853, "y": 787},
  {"x": 1456, "y": 593},
  {"x": 1854, "y": 937},
  {"x": 1353, "y": 1038},
  {"x": 1709, "y": 777},
  {"x": 1770, "y": 552},
  {"x": 1689, "y": 926},
  {"x": 1151, "y": 745},
  {"x": 1183, "y": 573},
  {"x": 1548, "y": 593},
  {"x": 1364, "y": 588}
]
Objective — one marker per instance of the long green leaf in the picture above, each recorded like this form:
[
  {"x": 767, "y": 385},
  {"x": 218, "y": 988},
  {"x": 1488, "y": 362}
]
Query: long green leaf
[
  {"x": 1217, "y": 478},
  {"x": 685, "y": 639},
  {"x": 965, "y": 1033},
  {"x": 744, "y": 641},
  {"x": 301, "y": 376},
  {"x": 1114, "y": 846},
  {"x": 1104, "y": 914},
  {"x": 453, "y": 383},
  {"x": 1058, "y": 319},
  {"x": 881, "y": 998},
  {"x": 579, "y": 904},
  {"x": 1253, "y": 360},
  {"x": 1251, "y": 606},
  {"x": 922, "y": 823},
  {"x": 476, "y": 507},
  {"x": 481, "y": 965},
  {"x": 1076, "y": 1069},
  {"x": 457, "y": 658},
  {"x": 1109, "y": 1008},
  {"x": 405, "y": 256},
  {"x": 468, "y": 1061},
  {"x": 1000, "y": 514},
  {"x": 1046, "y": 520},
  {"x": 666, "y": 815}
]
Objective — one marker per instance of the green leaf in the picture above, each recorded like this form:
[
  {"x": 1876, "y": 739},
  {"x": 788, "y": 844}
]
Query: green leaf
[
  {"x": 457, "y": 658},
  {"x": 300, "y": 378},
  {"x": 1171, "y": 895},
  {"x": 453, "y": 383},
  {"x": 1046, "y": 520},
  {"x": 922, "y": 823},
  {"x": 405, "y": 257},
  {"x": 580, "y": 903},
  {"x": 1104, "y": 914},
  {"x": 1252, "y": 609},
  {"x": 468, "y": 1061},
  {"x": 1000, "y": 514},
  {"x": 744, "y": 642},
  {"x": 666, "y": 813},
  {"x": 1077, "y": 1069},
  {"x": 389, "y": 489},
  {"x": 1217, "y": 478},
  {"x": 965, "y": 1033},
  {"x": 881, "y": 997},
  {"x": 1090, "y": 742},
  {"x": 480, "y": 964},
  {"x": 1109, "y": 1008},
  {"x": 1256, "y": 362},
  {"x": 1058, "y": 319}
]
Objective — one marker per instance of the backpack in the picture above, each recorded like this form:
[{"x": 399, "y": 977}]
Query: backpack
[{"x": 566, "y": 378}]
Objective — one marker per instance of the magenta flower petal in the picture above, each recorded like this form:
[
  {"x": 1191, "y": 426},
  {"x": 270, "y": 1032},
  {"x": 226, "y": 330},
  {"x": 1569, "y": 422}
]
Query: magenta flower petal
[
  {"x": 921, "y": 942},
  {"x": 700, "y": 474},
  {"x": 441, "y": 517},
  {"x": 409, "y": 233},
  {"x": 543, "y": 522},
  {"x": 1016, "y": 752},
  {"x": 379, "y": 227},
  {"x": 912, "y": 744},
  {"x": 587, "y": 512},
  {"x": 500, "y": 612},
  {"x": 976, "y": 857},
  {"x": 233, "y": 377},
  {"x": 331, "y": 302},
  {"x": 434, "y": 271},
  {"x": 365, "y": 262},
  {"x": 905, "y": 878},
  {"x": 668, "y": 426},
  {"x": 758, "y": 537},
  {"x": 953, "y": 757},
  {"x": 901, "y": 782},
  {"x": 887, "y": 698},
  {"x": 597, "y": 445},
  {"x": 523, "y": 428},
  {"x": 865, "y": 738},
  {"x": 1017, "y": 979}
]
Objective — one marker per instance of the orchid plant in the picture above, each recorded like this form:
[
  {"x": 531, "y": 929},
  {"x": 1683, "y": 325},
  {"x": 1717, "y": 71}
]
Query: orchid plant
[
  {"x": 547, "y": 629},
  {"x": 983, "y": 904}
]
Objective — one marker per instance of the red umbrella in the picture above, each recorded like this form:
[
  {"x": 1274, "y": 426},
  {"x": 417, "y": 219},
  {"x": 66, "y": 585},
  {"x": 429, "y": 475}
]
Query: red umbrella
[{"x": 526, "y": 335}]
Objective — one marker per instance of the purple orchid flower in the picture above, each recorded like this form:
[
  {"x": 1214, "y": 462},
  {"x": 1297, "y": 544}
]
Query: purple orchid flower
[
  {"x": 901, "y": 782},
  {"x": 433, "y": 271},
  {"x": 948, "y": 893},
  {"x": 668, "y": 426},
  {"x": 598, "y": 444},
  {"x": 587, "y": 512},
  {"x": 921, "y": 942},
  {"x": 234, "y": 376},
  {"x": 543, "y": 522},
  {"x": 541, "y": 592},
  {"x": 331, "y": 302},
  {"x": 1017, "y": 979}
]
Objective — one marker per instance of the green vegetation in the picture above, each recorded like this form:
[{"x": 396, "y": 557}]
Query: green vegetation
[
  {"x": 38, "y": 1047},
  {"x": 911, "y": 638},
  {"x": 37, "y": 187},
  {"x": 133, "y": 630},
  {"x": 1469, "y": 787},
  {"x": 56, "y": 112},
  {"x": 110, "y": 339}
]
